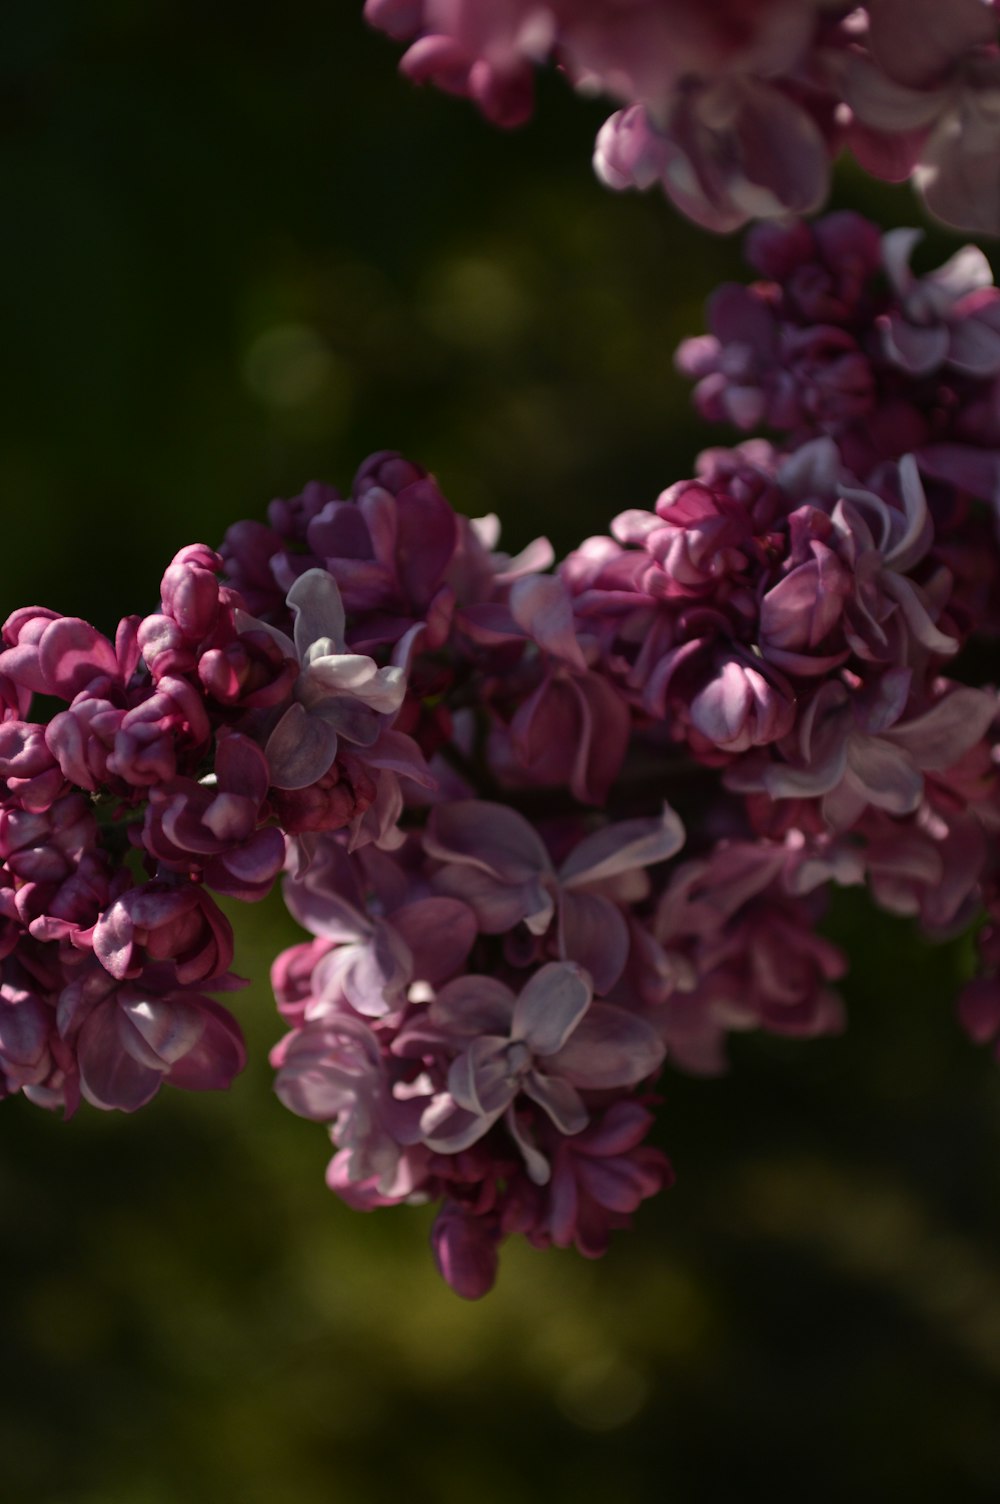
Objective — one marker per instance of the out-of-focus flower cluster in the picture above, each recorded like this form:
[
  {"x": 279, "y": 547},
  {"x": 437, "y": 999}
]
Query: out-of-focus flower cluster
[
  {"x": 545, "y": 831},
  {"x": 737, "y": 109}
]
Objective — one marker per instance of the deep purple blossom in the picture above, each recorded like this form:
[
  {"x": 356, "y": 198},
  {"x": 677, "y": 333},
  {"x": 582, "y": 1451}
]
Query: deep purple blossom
[
  {"x": 171, "y": 931},
  {"x": 215, "y": 827},
  {"x": 600, "y": 1177},
  {"x": 130, "y": 1041}
]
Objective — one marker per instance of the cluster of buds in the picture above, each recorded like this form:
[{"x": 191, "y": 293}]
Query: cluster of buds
[
  {"x": 738, "y": 109},
  {"x": 180, "y": 754}
]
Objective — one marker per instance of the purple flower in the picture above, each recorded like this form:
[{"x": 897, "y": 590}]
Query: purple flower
[
  {"x": 555, "y": 1043},
  {"x": 600, "y": 1177},
  {"x": 844, "y": 339},
  {"x": 129, "y": 1041},
  {"x": 466, "y": 1250},
  {"x": 337, "y": 694},
  {"x": 167, "y": 934},
  {"x": 390, "y": 552},
  {"x": 729, "y": 150},
  {"x": 211, "y": 827},
  {"x": 405, "y": 934},
  {"x": 856, "y": 750},
  {"x": 733, "y": 946},
  {"x": 333, "y": 1071},
  {"x": 499, "y": 866}
]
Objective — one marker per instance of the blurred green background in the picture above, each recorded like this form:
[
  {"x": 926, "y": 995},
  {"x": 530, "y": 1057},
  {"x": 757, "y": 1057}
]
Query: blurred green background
[{"x": 238, "y": 253}]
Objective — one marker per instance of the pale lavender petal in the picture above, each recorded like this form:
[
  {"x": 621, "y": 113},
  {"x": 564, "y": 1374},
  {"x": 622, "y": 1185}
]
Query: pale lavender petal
[
  {"x": 594, "y": 935},
  {"x": 541, "y": 606},
  {"x": 968, "y": 270},
  {"x": 623, "y": 847},
  {"x": 336, "y": 674},
  {"x": 352, "y": 719},
  {"x": 558, "y": 1099},
  {"x": 918, "y": 619},
  {"x": 319, "y": 610},
  {"x": 440, "y": 933},
  {"x": 472, "y": 1005},
  {"x": 325, "y": 913},
  {"x": 609, "y": 1048},
  {"x": 898, "y": 246},
  {"x": 917, "y": 350},
  {"x": 492, "y": 837},
  {"x": 551, "y": 1006},
  {"x": 380, "y": 970},
  {"x": 109, "y": 1076},
  {"x": 958, "y": 173},
  {"x": 884, "y": 773},
  {"x": 939, "y": 737},
  {"x": 300, "y": 749},
  {"x": 975, "y": 348},
  {"x": 480, "y": 1079},
  {"x": 160, "y": 1031},
  {"x": 498, "y": 906},
  {"x": 448, "y": 1129}
]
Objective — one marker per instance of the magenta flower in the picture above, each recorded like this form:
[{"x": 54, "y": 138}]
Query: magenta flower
[
  {"x": 130, "y": 1042},
  {"x": 167, "y": 934},
  {"x": 214, "y": 827},
  {"x": 31, "y": 775},
  {"x": 55, "y": 655},
  {"x": 466, "y": 1250}
]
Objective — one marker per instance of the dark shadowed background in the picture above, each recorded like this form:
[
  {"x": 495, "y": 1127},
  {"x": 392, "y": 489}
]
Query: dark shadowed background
[{"x": 237, "y": 253}]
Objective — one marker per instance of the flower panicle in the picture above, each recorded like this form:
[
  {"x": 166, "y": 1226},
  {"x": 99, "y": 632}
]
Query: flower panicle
[{"x": 549, "y": 832}]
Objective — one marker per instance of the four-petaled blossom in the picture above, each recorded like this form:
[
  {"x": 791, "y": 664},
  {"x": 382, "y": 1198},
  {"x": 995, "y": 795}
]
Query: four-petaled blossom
[
  {"x": 498, "y": 865},
  {"x": 549, "y": 1044},
  {"x": 338, "y": 694}
]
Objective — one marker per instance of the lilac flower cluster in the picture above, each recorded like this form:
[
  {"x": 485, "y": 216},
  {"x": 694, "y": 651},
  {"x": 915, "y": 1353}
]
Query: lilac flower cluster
[
  {"x": 738, "y": 109},
  {"x": 462, "y": 763},
  {"x": 492, "y": 986}
]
